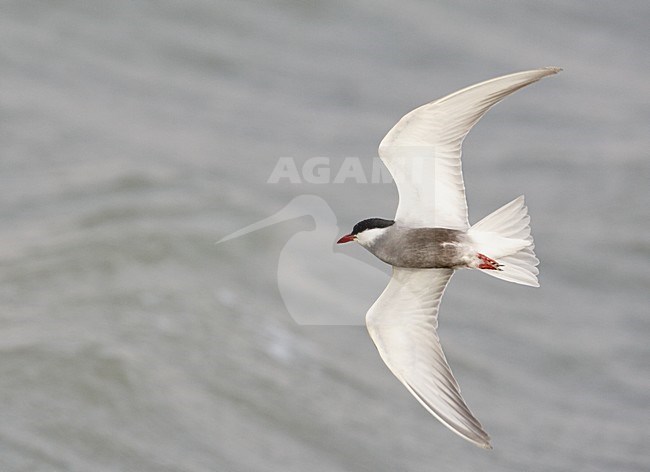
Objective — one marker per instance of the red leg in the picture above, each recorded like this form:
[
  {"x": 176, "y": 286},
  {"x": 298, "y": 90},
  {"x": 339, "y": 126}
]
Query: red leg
[{"x": 489, "y": 264}]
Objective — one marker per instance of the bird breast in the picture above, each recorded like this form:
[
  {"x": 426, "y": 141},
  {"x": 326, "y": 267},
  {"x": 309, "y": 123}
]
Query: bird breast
[{"x": 422, "y": 248}]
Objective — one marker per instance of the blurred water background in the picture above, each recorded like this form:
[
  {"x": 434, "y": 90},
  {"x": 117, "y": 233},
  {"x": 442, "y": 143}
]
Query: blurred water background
[{"x": 134, "y": 134}]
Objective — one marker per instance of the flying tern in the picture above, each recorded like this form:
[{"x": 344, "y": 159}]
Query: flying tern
[{"x": 430, "y": 237}]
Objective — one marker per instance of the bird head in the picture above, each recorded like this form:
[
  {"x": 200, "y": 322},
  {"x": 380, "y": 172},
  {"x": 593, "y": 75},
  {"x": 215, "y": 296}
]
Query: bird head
[{"x": 367, "y": 231}]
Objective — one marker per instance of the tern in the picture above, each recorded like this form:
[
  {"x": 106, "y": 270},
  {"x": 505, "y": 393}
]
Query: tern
[{"x": 430, "y": 237}]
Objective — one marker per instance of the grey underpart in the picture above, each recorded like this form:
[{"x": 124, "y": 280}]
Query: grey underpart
[{"x": 422, "y": 248}]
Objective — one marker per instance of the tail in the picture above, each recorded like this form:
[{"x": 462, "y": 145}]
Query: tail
[{"x": 504, "y": 235}]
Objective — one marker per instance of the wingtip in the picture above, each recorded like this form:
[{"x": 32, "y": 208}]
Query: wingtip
[
  {"x": 484, "y": 442},
  {"x": 553, "y": 69}
]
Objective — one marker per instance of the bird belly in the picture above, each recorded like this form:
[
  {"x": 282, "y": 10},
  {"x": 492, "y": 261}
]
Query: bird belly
[{"x": 424, "y": 248}]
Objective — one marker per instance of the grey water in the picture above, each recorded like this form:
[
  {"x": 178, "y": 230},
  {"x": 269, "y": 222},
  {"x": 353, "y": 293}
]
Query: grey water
[{"x": 135, "y": 134}]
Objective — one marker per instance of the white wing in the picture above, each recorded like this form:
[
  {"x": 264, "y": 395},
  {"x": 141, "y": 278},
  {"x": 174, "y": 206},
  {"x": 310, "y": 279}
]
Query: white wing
[
  {"x": 422, "y": 151},
  {"x": 402, "y": 323}
]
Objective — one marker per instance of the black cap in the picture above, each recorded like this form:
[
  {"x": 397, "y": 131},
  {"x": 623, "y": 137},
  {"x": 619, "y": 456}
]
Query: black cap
[{"x": 371, "y": 223}]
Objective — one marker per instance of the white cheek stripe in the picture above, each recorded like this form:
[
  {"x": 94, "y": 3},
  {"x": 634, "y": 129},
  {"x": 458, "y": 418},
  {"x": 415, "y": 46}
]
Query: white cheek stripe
[{"x": 368, "y": 236}]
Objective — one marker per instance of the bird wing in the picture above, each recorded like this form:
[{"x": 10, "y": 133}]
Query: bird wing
[
  {"x": 402, "y": 323},
  {"x": 422, "y": 151}
]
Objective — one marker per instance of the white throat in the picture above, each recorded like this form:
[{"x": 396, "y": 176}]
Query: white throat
[{"x": 368, "y": 237}]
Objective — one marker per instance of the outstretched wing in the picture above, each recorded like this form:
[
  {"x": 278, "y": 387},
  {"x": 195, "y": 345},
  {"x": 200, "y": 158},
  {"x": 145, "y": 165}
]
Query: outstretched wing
[
  {"x": 422, "y": 151},
  {"x": 402, "y": 323}
]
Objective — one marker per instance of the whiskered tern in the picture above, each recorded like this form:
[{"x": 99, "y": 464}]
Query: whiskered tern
[{"x": 430, "y": 237}]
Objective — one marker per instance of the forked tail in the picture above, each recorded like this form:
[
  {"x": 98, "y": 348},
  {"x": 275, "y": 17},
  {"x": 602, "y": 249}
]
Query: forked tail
[{"x": 504, "y": 236}]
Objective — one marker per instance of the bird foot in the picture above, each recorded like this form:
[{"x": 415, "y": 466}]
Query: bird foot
[{"x": 487, "y": 263}]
